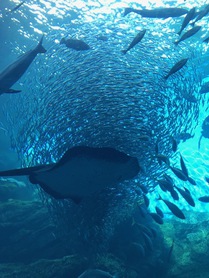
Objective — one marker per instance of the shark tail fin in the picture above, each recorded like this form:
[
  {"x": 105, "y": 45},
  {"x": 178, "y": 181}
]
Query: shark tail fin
[
  {"x": 22, "y": 172},
  {"x": 40, "y": 48}
]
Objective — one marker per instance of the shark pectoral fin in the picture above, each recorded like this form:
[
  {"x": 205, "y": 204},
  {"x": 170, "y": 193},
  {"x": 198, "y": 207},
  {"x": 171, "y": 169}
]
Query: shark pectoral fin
[{"x": 12, "y": 91}]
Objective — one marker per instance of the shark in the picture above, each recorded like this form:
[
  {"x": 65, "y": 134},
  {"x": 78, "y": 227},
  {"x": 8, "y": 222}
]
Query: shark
[
  {"x": 81, "y": 172},
  {"x": 12, "y": 73}
]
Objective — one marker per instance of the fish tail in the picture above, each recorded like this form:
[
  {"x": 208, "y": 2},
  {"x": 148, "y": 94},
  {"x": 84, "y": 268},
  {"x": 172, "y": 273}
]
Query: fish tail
[
  {"x": 176, "y": 43},
  {"x": 124, "y": 51},
  {"x": 127, "y": 11},
  {"x": 179, "y": 33},
  {"x": 199, "y": 142},
  {"x": 166, "y": 77},
  {"x": 40, "y": 48}
]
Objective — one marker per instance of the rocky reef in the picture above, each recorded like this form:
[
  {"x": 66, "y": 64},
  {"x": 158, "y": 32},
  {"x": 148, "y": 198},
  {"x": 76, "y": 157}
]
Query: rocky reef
[{"x": 30, "y": 246}]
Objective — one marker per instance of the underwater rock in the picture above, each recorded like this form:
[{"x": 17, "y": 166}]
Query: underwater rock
[{"x": 190, "y": 253}]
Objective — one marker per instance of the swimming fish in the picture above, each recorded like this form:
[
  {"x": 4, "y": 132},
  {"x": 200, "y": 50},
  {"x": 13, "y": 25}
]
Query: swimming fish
[
  {"x": 157, "y": 13},
  {"x": 17, "y": 7},
  {"x": 156, "y": 217},
  {"x": 136, "y": 40},
  {"x": 205, "y": 130},
  {"x": 183, "y": 166},
  {"x": 188, "y": 34},
  {"x": 75, "y": 44},
  {"x": 173, "y": 208},
  {"x": 187, "y": 196},
  {"x": 190, "y": 15},
  {"x": 179, "y": 173},
  {"x": 204, "y": 199},
  {"x": 201, "y": 14},
  {"x": 81, "y": 172},
  {"x": 14, "y": 72},
  {"x": 205, "y": 87},
  {"x": 95, "y": 273},
  {"x": 177, "y": 67}
]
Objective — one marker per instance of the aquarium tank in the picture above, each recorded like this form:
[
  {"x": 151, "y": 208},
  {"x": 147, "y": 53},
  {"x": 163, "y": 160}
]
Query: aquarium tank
[{"x": 104, "y": 138}]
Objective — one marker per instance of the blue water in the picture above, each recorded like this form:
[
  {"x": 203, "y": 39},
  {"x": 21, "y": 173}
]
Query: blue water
[{"x": 101, "y": 97}]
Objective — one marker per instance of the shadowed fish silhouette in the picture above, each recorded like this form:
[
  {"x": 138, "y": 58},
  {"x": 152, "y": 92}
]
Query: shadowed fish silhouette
[
  {"x": 205, "y": 130},
  {"x": 14, "y": 72},
  {"x": 81, "y": 172}
]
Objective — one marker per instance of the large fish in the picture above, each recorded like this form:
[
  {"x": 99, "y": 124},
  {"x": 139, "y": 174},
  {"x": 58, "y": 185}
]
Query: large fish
[
  {"x": 15, "y": 71},
  {"x": 158, "y": 13},
  {"x": 81, "y": 172},
  {"x": 173, "y": 208},
  {"x": 187, "y": 19},
  {"x": 136, "y": 40},
  {"x": 188, "y": 34},
  {"x": 75, "y": 44},
  {"x": 205, "y": 130},
  {"x": 201, "y": 14},
  {"x": 176, "y": 67}
]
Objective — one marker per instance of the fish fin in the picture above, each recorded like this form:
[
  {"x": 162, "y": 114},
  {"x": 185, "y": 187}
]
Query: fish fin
[
  {"x": 176, "y": 42},
  {"x": 23, "y": 171},
  {"x": 127, "y": 11},
  {"x": 12, "y": 91},
  {"x": 179, "y": 33},
  {"x": 124, "y": 51},
  {"x": 40, "y": 48},
  {"x": 62, "y": 41}
]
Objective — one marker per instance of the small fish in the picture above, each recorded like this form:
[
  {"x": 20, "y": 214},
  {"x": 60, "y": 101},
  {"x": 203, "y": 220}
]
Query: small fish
[
  {"x": 176, "y": 67},
  {"x": 205, "y": 130},
  {"x": 204, "y": 199},
  {"x": 165, "y": 184},
  {"x": 17, "y": 7},
  {"x": 201, "y": 14},
  {"x": 206, "y": 40},
  {"x": 190, "y": 180},
  {"x": 205, "y": 87},
  {"x": 184, "y": 136},
  {"x": 188, "y": 34},
  {"x": 146, "y": 200},
  {"x": 142, "y": 211},
  {"x": 156, "y": 217},
  {"x": 169, "y": 179},
  {"x": 75, "y": 44},
  {"x": 183, "y": 166},
  {"x": 174, "y": 144},
  {"x": 158, "y": 13},
  {"x": 170, "y": 252},
  {"x": 136, "y": 40},
  {"x": 179, "y": 173},
  {"x": 136, "y": 249},
  {"x": 159, "y": 212},
  {"x": 143, "y": 188},
  {"x": 148, "y": 241},
  {"x": 163, "y": 158},
  {"x": 187, "y": 197},
  {"x": 95, "y": 273},
  {"x": 207, "y": 179},
  {"x": 174, "y": 195},
  {"x": 173, "y": 208},
  {"x": 190, "y": 15}
]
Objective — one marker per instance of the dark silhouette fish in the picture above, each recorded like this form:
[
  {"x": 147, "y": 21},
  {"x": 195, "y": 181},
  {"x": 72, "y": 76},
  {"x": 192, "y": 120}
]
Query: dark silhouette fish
[
  {"x": 190, "y": 15},
  {"x": 179, "y": 173},
  {"x": 206, "y": 40},
  {"x": 177, "y": 67},
  {"x": 156, "y": 217},
  {"x": 183, "y": 166},
  {"x": 14, "y": 72},
  {"x": 75, "y": 44},
  {"x": 204, "y": 88},
  {"x": 17, "y": 7},
  {"x": 201, "y": 14},
  {"x": 205, "y": 130},
  {"x": 81, "y": 172},
  {"x": 95, "y": 273},
  {"x": 159, "y": 212},
  {"x": 157, "y": 13},
  {"x": 173, "y": 208},
  {"x": 187, "y": 196},
  {"x": 188, "y": 34},
  {"x": 204, "y": 199},
  {"x": 184, "y": 136},
  {"x": 136, "y": 40}
]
